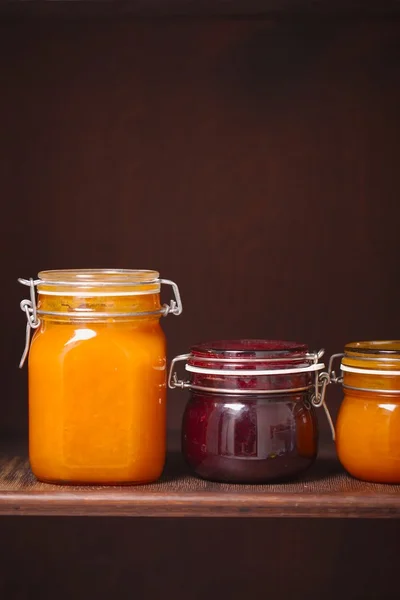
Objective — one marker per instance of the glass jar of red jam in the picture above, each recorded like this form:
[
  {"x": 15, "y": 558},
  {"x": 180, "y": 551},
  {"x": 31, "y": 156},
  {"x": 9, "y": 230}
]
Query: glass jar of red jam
[
  {"x": 250, "y": 417},
  {"x": 368, "y": 423}
]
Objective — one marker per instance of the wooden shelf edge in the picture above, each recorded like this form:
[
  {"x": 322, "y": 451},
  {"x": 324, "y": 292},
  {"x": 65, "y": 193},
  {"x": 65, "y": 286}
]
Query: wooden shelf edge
[
  {"x": 324, "y": 491},
  {"x": 139, "y": 504}
]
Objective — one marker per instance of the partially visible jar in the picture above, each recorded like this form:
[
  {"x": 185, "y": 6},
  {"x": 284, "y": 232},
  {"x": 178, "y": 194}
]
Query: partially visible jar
[
  {"x": 250, "y": 416},
  {"x": 97, "y": 376},
  {"x": 368, "y": 424}
]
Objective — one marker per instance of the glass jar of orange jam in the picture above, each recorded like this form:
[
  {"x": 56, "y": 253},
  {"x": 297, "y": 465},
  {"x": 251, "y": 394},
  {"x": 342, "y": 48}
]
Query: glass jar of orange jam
[
  {"x": 97, "y": 376},
  {"x": 368, "y": 424}
]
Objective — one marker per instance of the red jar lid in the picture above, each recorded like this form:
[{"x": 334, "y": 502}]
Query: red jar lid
[
  {"x": 236, "y": 355},
  {"x": 252, "y": 364}
]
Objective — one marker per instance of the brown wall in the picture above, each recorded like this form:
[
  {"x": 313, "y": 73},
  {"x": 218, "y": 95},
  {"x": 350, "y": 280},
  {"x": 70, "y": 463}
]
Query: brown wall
[{"x": 254, "y": 162}]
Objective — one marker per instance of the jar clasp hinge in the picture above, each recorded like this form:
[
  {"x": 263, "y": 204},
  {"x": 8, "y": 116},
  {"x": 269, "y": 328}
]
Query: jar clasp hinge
[
  {"x": 322, "y": 381},
  {"x": 30, "y": 310},
  {"x": 175, "y": 306},
  {"x": 173, "y": 381}
]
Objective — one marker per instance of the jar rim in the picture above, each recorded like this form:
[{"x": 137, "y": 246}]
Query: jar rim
[
  {"x": 97, "y": 277},
  {"x": 377, "y": 347},
  {"x": 249, "y": 349},
  {"x": 250, "y": 374}
]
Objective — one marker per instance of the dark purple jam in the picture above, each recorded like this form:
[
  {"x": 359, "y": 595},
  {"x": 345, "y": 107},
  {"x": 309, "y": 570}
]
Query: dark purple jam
[{"x": 249, "y": 437}]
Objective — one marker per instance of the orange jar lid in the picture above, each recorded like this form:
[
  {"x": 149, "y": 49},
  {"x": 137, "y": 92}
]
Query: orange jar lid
[
  {"x": 95, "y": 294},
  {"x": 98, "y": 293},
  {"x": 372, "y": 356},
  {"x": 372, "y": 366}
]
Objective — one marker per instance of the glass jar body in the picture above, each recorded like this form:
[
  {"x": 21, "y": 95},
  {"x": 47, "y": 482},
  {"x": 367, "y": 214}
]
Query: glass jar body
[
  {"x": 249, "y": 438},
  {"x": 368, "y": 424},
  {"x": 97, "y": 402},
  {"x": 368, "y": 436},
  {"x": 97, "y": 385}
]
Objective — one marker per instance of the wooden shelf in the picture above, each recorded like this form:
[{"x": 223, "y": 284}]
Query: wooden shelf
[
  {"x": 174, "y": 8},
  {"x": 325, "y": 491}
]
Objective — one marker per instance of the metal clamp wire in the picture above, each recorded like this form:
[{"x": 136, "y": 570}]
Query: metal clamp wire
[
  {"x": 29, "y": 307},
  {"x": 32, "y": 320}
]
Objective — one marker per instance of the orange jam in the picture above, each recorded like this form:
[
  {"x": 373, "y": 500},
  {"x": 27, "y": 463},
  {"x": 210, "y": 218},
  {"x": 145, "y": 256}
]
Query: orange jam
[
  {"x": 97, "y": 387},
  {"x": 368, "y": 425}
]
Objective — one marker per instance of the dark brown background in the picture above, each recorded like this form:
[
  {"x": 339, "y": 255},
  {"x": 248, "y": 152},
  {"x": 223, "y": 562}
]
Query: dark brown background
[
  {"x": 253, "y": 161},
  {"x": 197, "y": 559}
]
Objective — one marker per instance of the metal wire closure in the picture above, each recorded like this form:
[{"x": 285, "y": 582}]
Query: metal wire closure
[
  {"x": 32, "y": 320},
  {"x": 347, "y": 369},
  {"x": 315, "y": 367},
  {"x": 371, "y": 390},
  {"x": 333, "y": 378},
  {"x": 366, "y": 371},
  {"x": 173, "y": 381},
  {"x": 325, "y": 378},
  {"x": 321, "y": 378},
  {"x": 174, "y": 307}
]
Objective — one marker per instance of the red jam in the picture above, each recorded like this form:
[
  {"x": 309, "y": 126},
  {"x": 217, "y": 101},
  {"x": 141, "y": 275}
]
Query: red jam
[{"x": 242, "y": 425}]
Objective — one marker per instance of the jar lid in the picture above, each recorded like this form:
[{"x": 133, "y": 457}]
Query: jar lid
[
  {"x": 100, "y": 282},
  {"x": 98, "y": 276},
  {"x": 379, "y": 348},
  {"x": 372, "y": 357},
  {"x": 243, "y": 367},
  {"x": 268, "y": 357},
  {"x": 249, "y": 366},
  {"x": 250, "y": 349}
]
